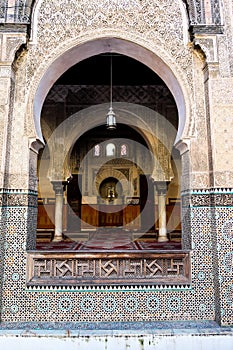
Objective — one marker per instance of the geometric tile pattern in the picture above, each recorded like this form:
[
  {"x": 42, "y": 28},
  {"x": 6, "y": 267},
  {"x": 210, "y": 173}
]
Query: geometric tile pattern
[{"x": 208, "y": 298}]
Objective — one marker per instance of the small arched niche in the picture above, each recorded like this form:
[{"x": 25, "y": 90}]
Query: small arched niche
[{"x": 110, "y": 189}]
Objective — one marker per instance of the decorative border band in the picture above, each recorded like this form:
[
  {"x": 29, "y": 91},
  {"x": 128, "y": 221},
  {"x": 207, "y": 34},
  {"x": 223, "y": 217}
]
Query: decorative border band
[
  {"x": 208, "y": 198},
  {"x": 17, "y": 191},
  {"x": 18, "y": 198},
  {"x": 213, "y": 197},
  {"x": 84, "y": 289}
]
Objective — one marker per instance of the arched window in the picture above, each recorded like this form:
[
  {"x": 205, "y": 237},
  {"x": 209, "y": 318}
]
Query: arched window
[
  {"x": 124, "y": 150},
  {"x": 110, "y": 149},
  {"x": 97, "y": 150}
]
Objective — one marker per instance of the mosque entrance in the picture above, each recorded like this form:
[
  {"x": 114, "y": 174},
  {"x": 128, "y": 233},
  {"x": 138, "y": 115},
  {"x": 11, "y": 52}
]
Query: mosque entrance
[
  {"x": 110, "y": 195},
  {"x": 114, "y": 181}
]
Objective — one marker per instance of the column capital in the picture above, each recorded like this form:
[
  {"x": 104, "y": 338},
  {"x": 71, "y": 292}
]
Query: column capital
[
  {"x": 35, "y": 144},
  {"x": 161, "y": 186},
  {"x": 59, "y": 186}
]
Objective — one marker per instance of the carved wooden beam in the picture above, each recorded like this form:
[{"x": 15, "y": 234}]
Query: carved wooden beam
[{"x": 108, "y": 268}]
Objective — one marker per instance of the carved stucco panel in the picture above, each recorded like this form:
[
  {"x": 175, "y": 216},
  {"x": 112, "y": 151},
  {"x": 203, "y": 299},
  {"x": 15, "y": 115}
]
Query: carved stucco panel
[
  {"x": 22, "y": 10},
  {"x": 222, "y": 126},
  {"x": 225, "y": 41},
  {"x": 3, "y": 112},
  {"x": 199, "y": 152},
  {"x": 222, "y": 91},
  {"x": 69, "y": 18},
  {"x": 199, "y": 127},
  {"x": 5, "y": 71},
  {"x": 223, "y": 179},
  {"x": 224, "y": 57},
  {"x": 38, "y": 60},
  {"x": 9, "y": 44},
  {"x": 13, "y": 181},
  {"x": 200, "y": 180},
  {"x": 160, "y": 24},
  {"x": 4, "y": 91}
]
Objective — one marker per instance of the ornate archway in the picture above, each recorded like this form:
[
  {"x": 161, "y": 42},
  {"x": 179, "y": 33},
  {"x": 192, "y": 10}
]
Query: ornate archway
[
  {"x": 132, "y": 49},
  {"x": 78, "y": 126},
  {"x": 107, "y": 45}
]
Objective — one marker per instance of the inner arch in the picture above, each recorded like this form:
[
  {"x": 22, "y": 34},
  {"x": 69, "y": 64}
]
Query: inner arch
[{"x": 65, "y": 110}]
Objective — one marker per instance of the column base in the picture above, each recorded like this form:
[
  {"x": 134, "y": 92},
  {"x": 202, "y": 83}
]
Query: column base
[
  {"x": 57, "y": 239},
  {"x": 163, "y": 239}
]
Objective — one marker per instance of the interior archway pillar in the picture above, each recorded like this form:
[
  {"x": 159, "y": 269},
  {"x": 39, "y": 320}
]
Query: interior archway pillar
[
  {"x": 161, "y": 187},
  {"x": 58, "y": 187}
]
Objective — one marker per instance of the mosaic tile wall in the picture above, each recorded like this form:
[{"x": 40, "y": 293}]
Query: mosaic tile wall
[
  {"x": 219, "y": 206},
  {"x": 224, "y": 257},
  {"x": 211, "y": 258},
  {"x": 2, "y": 235}
]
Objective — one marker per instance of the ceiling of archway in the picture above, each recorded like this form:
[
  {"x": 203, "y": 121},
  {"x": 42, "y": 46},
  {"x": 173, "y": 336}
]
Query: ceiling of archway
[
  {"x": 88, "y": 83},
  {"x": 122, "y": 131},
  {"x": 125, "y": 71}
]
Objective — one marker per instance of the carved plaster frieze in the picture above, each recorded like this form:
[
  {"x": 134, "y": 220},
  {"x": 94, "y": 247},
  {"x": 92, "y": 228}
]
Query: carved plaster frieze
[
  {"x": 222, "y": 95},
  {"x": 200, "y": 180},
  {"x": 69, "y": 18},
  {"x": 224, "y": 50},
  {"x": 223, "y": 178},
  {"x": 13, "y": 181},
  {"x": 5, "y": 72},
  {"x": 4, "y": 91},
  {"x": 196, "y": 10},
  {"x": 1, "y": 177},
  {"x": 158, "y": 26}
]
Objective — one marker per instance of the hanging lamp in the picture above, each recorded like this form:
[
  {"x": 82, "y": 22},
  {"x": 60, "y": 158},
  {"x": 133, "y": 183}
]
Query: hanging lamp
[{"x": 111, "y": 116}]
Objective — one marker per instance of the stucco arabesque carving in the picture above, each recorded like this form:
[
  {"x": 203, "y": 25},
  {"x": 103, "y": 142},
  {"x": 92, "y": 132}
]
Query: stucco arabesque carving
[{"x": 157, "y": 27}]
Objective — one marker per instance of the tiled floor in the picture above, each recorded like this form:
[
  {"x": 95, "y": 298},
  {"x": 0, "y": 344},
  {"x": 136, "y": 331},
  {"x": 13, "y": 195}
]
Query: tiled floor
[{"x": 116, "y": 240}]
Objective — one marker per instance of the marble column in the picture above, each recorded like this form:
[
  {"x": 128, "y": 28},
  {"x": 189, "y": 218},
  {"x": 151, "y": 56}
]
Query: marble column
[
  {"x": 162, "y": 191},
  {"x": 58, "y": 187}
]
